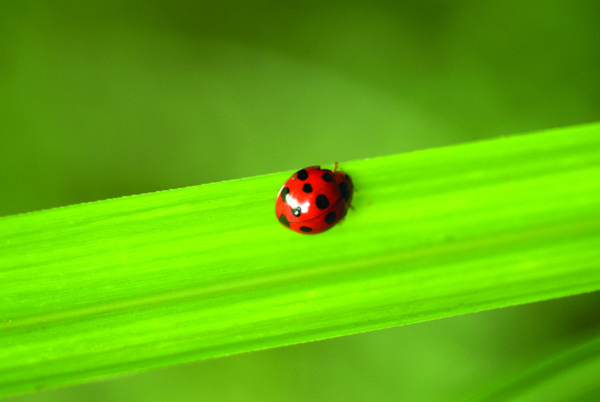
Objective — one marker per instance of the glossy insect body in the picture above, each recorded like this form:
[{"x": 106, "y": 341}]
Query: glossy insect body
[{"x": 313, "y": 200}]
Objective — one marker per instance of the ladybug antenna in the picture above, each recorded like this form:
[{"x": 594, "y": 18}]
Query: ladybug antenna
[{"x": 335, "y": 167}]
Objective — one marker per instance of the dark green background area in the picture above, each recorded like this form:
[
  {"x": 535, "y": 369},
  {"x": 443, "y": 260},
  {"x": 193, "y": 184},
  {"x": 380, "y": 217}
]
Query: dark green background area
[{"x": 104, "y": 99}]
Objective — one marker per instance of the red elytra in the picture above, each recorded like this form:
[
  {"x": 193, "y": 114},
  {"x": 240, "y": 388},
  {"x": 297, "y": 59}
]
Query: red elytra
[{"x": 314, "y": 199}]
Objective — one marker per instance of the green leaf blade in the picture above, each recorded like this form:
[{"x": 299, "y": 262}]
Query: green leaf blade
[{"x": 138, "y": 282}]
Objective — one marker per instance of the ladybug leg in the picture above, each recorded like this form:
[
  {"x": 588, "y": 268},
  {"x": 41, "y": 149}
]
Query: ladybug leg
[
  {"x": 335, "y": 167},
  {"x": 350, "y": 206}
]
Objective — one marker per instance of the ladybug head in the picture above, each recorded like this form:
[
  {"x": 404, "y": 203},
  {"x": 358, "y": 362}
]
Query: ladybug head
[{"x": 346, "y": 187}]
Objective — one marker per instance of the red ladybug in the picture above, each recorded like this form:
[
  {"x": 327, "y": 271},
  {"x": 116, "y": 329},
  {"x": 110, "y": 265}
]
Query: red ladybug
[{"x": 314, "y": 199}]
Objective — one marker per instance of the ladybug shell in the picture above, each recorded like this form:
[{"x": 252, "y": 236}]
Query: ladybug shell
[{"x": 311, "y": 201}]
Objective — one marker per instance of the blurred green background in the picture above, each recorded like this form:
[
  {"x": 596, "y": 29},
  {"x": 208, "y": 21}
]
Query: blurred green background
[{"x": 105, "y": 99}]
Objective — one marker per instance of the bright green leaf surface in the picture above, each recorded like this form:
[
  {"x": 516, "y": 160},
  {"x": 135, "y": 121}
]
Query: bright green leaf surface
[{"x": 145, "y": 281}]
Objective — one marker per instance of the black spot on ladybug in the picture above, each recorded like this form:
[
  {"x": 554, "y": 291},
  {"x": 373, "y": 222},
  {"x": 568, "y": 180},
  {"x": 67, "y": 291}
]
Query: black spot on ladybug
[
  {"x": 322, "y": 201},
  {"x": 284, "y": 220},
  {"x": 305, "y": 229},
  {"x": 330, "y": 217},
  {"x": 344, "y": 190},
  {"x": 327, "y": 177},
  {"x": 296, "y": 211},
  {"x": 285, "y": 194},
  {"x": 302, "y": 174},
  {"x": 307, "y": 188}
]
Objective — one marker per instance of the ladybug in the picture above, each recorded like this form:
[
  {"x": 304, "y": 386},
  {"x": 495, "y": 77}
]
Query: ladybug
[{"x": 314, "y": 199}]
